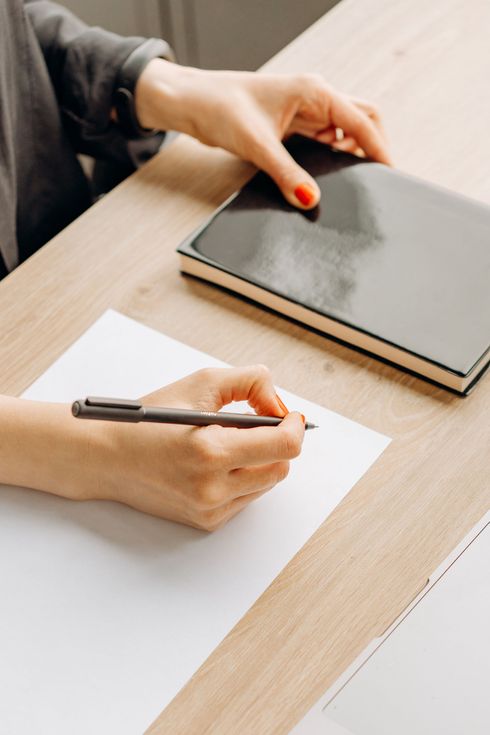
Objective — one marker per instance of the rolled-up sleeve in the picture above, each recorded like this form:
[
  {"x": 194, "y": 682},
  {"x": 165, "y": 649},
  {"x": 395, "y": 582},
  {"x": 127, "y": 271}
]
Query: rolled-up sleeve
[{"x": 84, "y": 64}]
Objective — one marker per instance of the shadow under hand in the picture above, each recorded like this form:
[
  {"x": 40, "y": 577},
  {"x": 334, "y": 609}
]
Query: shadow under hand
[{"x": 117, "y": 525}]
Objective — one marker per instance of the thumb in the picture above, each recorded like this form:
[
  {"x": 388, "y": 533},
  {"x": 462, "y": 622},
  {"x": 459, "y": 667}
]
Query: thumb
[{"x": 297, "y": 186}]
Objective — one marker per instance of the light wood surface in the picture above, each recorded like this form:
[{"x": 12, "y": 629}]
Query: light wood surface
[{"x": 427, "y": 66}]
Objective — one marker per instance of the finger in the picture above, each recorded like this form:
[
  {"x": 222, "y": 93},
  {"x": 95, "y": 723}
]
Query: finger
[
  {"x": 354, "y": 122},
  {"x": 215, "y": 518},
  {"x": 264, "y": 444},
  {"x": 297, "y": 186},
  {"x": 309, "y": 128},
  {"x": 240, "y": 503},
  {"x": 216, "y": 387},
  {"x": 347, "y": 144},
  {"x": 372, "y": 112},
  {"x": 247, "y": 480},
  {"x": 366, "y": 106},
  {"x": 328, "y": 135}
]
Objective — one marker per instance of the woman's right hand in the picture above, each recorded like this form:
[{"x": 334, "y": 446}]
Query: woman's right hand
[{"x": 200, "y": 476}]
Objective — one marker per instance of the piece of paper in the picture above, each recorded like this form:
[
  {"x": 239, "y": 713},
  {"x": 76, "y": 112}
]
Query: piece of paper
[{"x": 105, "y": 612}]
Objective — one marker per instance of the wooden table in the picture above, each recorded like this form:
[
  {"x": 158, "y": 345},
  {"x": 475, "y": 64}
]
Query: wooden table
[{"x": 427, "y": 66}]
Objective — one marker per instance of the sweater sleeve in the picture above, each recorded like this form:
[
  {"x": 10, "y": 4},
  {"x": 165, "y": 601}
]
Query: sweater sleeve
[{"x": 84, "y": 64}]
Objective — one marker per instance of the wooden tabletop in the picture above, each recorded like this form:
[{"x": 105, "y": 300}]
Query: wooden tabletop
[{"x": 427, "y": 66}]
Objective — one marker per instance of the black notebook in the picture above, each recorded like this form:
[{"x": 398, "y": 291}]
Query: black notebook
[{"x": 388, "y": 263}]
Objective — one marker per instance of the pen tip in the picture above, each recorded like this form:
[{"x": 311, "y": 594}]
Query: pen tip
[{"x": 312, "y": 426}]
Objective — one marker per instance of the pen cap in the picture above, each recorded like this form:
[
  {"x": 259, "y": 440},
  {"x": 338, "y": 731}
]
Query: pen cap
[{"x": 108, "y": 410}]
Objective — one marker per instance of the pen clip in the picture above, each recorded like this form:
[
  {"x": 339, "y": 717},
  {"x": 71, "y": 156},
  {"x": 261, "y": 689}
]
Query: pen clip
[{"x": 112, "y": 403}]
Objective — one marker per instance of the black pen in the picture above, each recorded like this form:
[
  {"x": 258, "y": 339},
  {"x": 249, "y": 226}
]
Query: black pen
[{"x": 115, "y": 409}]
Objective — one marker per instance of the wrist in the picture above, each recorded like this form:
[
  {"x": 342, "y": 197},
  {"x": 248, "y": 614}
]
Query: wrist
[
  {"x": 43, "y": 447},
  {"x": 160, "y": 95}
]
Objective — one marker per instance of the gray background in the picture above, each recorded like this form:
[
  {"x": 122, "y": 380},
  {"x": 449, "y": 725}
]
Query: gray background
[{"x": 211, "y": 34}]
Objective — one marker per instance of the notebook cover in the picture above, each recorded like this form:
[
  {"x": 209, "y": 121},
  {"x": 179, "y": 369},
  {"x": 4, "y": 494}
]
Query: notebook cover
[{"x": 385, "y": 253}]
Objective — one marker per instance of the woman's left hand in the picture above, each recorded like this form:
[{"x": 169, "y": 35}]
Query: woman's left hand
[{"x": 250, "y": 114}]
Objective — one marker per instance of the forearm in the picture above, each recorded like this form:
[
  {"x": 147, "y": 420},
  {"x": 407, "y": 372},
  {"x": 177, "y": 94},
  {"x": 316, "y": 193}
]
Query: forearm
[{"x": 43, "y": 447}]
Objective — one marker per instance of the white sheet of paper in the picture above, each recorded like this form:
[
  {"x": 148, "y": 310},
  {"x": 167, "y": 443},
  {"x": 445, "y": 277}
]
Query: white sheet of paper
[{"x": 105, "y": 612}]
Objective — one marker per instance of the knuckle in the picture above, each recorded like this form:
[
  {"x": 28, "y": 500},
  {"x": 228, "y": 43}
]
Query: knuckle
[
  {"x": 369, "y": 108},
  {"x": 206, "y": 375},
  {"x": 262, "y": 371},
  {"x": 207, "y": 453},
  {"x": 311, "y": 79},
  {"x": 291, "y": 445},
  {"x": 204, "y": 494},
  {"x": 211, "y": 520},
  {"x": 208, "y": 495},
  {"x": 200, "y": 491},
  {"x": 282, "y": 471}
]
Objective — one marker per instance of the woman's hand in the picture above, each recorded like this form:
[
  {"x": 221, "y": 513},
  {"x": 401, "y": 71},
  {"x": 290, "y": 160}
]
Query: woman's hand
[
  {"x": 200, "y": 476},
  {"x": 250, "y": 114}
]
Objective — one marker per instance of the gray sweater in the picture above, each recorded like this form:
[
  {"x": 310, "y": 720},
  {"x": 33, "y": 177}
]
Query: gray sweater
[{"x": 57, "y": 79}]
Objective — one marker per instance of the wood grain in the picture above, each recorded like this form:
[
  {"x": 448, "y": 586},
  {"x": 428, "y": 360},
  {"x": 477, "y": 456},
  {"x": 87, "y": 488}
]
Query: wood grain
[{"x": 427, "y": 67}]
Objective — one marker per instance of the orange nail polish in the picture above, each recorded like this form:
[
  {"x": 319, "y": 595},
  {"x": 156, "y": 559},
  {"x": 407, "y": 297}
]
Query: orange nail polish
[
  {"x": 283, "y": 407},
  {"x": 305, "y": 194},
  {"x": 303, "y": 418}
]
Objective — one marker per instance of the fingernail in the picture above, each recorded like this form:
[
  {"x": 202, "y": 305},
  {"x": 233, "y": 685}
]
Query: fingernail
[
  {"x": 282, "y": 406},
  {"x": 305, "y": 194},
  {"x": 303, "y": 418}
]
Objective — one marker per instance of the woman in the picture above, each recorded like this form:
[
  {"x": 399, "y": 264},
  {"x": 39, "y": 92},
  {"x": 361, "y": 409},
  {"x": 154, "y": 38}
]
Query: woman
[{"x": 66, "y": 88}]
